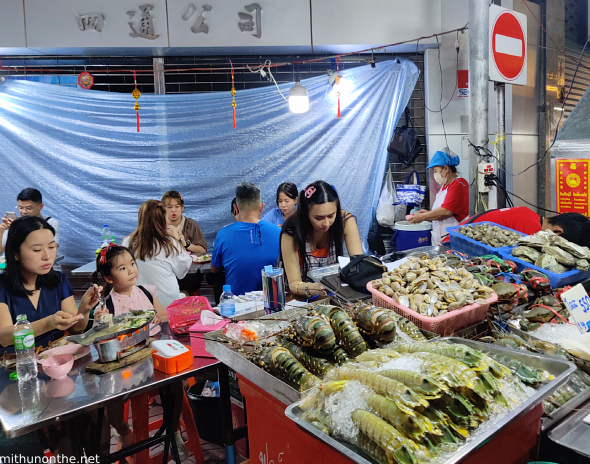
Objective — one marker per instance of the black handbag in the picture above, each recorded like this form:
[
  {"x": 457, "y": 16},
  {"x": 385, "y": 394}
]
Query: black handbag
[
  {"x": 404, "y": 142},
  {"x": 361, "y": 270}
]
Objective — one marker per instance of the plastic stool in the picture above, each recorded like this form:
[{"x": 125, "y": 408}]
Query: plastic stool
[{"x": 142, "y": 427}]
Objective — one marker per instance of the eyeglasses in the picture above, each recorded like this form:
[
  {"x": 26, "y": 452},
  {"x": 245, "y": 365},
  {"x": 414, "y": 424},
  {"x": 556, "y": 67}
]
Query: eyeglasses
[{"x": 25, "y": 208}]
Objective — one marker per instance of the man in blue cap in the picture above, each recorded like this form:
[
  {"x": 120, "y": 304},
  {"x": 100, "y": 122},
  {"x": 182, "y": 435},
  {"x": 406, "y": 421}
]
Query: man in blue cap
[{"x": 451, "y": 205}]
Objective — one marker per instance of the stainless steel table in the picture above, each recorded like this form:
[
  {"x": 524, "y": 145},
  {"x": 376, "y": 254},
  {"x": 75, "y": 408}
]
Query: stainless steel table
[
  {"x": 90, "y": 267},
  {"x": 81, "y": 391}
]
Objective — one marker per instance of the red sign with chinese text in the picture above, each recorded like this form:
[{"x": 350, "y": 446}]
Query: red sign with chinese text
[{"x": 572, "y": 186}]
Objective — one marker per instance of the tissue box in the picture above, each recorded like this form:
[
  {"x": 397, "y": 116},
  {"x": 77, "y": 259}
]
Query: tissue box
[{"x": 198, "y": 332}]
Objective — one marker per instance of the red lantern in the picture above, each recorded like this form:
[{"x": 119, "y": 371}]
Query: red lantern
[{"x": 85, "y": 80}]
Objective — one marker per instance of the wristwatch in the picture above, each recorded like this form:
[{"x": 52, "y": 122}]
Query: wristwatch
[{"x": 187, "y": 244}]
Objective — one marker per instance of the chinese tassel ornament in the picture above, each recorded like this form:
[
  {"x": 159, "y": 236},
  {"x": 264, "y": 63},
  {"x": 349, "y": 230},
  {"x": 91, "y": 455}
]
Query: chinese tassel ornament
[
  {"x": 136, "y": 94},
  {"x": 233, "y": 93}
]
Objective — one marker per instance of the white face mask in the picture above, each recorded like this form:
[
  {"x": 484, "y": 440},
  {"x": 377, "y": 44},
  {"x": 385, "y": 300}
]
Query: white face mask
[{"x": 439, "y": 179}]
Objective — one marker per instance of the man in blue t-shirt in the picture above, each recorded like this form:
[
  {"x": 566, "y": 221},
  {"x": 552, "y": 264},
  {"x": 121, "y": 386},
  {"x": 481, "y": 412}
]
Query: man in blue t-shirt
[{"x": 245, "y": 247}]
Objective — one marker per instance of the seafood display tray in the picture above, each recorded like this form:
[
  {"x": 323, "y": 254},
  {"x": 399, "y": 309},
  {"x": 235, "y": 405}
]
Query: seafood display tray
[
  {"x": 443, "y": 325},
  {"x": 471, "y": 247},
  {"x": 570, "y": 277},
  {"x": 550, "y": 420},
  {"x": 560, "y": 370},
  {"x": 216, "y": 344}
]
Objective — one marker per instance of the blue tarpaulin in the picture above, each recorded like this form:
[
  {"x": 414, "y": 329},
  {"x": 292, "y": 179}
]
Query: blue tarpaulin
[{"x": 80, "y": 148}]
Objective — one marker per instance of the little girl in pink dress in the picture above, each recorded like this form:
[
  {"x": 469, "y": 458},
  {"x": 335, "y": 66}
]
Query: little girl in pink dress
[{"x": 116, "y": 266}]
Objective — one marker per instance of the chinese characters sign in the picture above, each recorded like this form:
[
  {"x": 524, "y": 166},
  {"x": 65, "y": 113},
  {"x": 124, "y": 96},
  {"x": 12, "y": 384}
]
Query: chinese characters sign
[
  {"x": 572, "y": 186},
  {"x": 166, "y": 23}
]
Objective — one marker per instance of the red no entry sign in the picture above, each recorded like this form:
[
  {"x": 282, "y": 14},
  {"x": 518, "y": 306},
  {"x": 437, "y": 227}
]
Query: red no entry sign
[{"x": 508, "y": 47}]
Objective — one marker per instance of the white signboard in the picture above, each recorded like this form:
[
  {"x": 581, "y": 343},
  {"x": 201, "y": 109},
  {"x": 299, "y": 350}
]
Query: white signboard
[
  {"x": 242, "y": 23},
  {"x": 578, "y": 303},
  {"x": 508, "y": 46},
  {"x": 89, "y": 23}
]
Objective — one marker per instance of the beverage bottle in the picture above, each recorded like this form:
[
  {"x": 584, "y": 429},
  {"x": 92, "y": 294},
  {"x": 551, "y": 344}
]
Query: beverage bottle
[
  {"x": 106, "y": 236},
  {"x": 24, "y": 345},
  {"x": 227, "y": 304},
  {"x": 30, "y": 396}
]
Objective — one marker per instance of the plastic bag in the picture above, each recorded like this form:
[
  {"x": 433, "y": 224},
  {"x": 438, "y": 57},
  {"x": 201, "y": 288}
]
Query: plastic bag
[
  {"x": 385, "y": 208},
  {"x": 183, "y": 313},
  {"x": 243, "y": 331},
  {"x": 411, "y": 194}
]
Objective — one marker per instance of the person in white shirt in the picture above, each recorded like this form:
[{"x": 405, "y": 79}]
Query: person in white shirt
[
  {"x": 160, "y": 258},
  {"x": 30, "y": 203}
]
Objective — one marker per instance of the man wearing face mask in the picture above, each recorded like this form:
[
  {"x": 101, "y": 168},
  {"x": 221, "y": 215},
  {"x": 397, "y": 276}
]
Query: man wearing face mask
[{"x": 451, "y": 205}]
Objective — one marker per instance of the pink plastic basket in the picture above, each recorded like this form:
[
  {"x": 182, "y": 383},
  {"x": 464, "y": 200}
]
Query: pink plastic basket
[{"x": 443, "y": 325}]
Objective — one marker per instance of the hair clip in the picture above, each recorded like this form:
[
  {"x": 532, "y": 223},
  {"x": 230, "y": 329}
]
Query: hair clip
[
  {"x": 180, "y": 195},
  {"x": 104, "y": 250},
  {"x": 103, "y": 255},
  {"x": 309, "y": 192}
]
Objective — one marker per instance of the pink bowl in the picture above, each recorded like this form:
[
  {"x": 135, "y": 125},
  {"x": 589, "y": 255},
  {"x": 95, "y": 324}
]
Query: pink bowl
[{"x": 57, "y": 367}]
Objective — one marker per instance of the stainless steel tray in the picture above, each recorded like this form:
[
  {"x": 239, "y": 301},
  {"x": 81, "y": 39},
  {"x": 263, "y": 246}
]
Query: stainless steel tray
[
  {"x": 550, "y": 420},
  {"x": 431, "y": 251},
  {"x": 218, "y": 345},
  {"x": 573, "y": 433},
  {"x": 86, "y": 337},
  {"x": 560, "y": 370}
]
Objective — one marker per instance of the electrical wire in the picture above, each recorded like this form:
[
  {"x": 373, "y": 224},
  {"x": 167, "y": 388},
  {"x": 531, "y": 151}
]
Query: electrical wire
[
  {"x": 495, "y": 181},
  {"x": 243, "y": 67}
]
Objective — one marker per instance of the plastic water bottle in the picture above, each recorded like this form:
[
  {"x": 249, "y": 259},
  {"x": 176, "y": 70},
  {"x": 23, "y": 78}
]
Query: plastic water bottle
[
  {"x": 106, "y": 236},
  {"x": 24, "y": 345},
  {"x": 227, "y": 304}
]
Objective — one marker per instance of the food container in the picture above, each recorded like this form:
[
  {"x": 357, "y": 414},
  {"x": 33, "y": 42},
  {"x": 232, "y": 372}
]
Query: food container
[
  {"x": 571, "y": 277},
  {"x": 524, "y": 420},
  {"x": 123, "y": 345},
  {"x": 170, "y": 363},
  {"x": 116, "y": 345},
  {"x": 443, "y": 325},
  {"x": 471, "y": 247}
]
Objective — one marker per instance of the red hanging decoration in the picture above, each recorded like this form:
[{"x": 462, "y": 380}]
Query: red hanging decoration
[
  {"x": 337, "y": 82},
  {"x": 136, "y": 94},
  {"x": 85, "y": 80},
  {"x": 233, "y": 93}
]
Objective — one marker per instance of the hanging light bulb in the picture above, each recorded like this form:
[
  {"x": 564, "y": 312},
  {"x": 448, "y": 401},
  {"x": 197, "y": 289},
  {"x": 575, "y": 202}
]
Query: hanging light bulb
[{"x": 298, "y": 99}]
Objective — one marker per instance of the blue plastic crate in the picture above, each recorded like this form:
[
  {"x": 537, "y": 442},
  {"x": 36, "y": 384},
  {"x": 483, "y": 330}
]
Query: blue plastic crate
[
  {"x": 471, "y": 247},
  {"x": 557, "y": 280}
]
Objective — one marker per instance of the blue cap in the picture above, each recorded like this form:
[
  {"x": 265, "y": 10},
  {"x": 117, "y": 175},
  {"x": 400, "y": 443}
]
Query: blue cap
[
  {"x": 442, "y": 158},
  {"x": 227, "y": 288},
  {"x": 268, "y": 269}
]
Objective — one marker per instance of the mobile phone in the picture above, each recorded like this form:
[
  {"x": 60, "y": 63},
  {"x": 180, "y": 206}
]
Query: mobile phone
[{"x": 11, "y": 215}]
